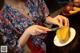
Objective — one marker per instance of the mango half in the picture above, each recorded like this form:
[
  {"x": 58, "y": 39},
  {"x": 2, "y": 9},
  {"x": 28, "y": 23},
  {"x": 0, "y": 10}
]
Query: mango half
[{"x": 63, "y": 34}]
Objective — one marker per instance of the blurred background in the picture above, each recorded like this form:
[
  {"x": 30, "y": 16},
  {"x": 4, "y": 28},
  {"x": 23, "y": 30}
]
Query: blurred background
[
  {"x": 74, "y": 20},
  {"x": 55, "y": 4}
]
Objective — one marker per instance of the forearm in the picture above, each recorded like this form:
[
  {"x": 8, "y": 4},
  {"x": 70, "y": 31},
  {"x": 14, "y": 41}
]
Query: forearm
[{"x": 23, "y": 39}]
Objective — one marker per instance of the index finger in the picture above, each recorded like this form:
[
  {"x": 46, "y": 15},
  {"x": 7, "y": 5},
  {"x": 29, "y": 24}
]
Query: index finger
[
  {"x": 65, "y": 20},
  {"x": 44, "y": 28}
]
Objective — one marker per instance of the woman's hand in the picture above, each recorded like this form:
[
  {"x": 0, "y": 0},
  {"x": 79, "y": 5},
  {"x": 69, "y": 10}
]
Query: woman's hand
[
  {"x": 37, "y": 30},
  {"x": 58, "y": 20},
  {"x": 32, "y": 30}
]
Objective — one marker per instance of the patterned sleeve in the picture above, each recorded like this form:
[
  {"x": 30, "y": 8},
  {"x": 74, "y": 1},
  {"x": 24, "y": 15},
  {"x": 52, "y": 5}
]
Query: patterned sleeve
[
  {"x": 37, "y": 8},
  {"x": 44, "y": 8},
  {"x": 9, "y": 38}
]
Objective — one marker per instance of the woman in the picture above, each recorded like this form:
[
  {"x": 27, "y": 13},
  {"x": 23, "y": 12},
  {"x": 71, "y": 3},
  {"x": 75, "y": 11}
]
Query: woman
[{"x": 22, "y": 21}]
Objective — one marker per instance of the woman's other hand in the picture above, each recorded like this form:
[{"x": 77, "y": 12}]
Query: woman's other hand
[
  {"x": 37, "y": 30},
  {"x": 58, "y": 20},
  {"x": 32, "y": 30}
]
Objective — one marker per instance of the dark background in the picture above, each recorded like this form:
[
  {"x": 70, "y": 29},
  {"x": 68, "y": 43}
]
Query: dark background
[
  {"x": 1, "y": 3},
  {"x": 74, "y": 20},
  {"x": 55, "y": 4}
]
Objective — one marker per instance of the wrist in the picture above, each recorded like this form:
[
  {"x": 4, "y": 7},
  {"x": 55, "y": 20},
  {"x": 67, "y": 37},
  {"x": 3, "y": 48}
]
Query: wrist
[
  {"x": 48, "y": 20},
  {"x": 24, "y": 38},
  {"x": 26, "y": 32}
]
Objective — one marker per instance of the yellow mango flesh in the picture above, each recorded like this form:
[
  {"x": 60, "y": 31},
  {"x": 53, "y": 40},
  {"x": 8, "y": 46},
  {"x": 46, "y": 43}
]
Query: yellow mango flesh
[{"x": 63, "y": 34}]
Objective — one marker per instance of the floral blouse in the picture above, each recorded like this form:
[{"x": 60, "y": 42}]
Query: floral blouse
[{"x": 13, "y": 23}]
